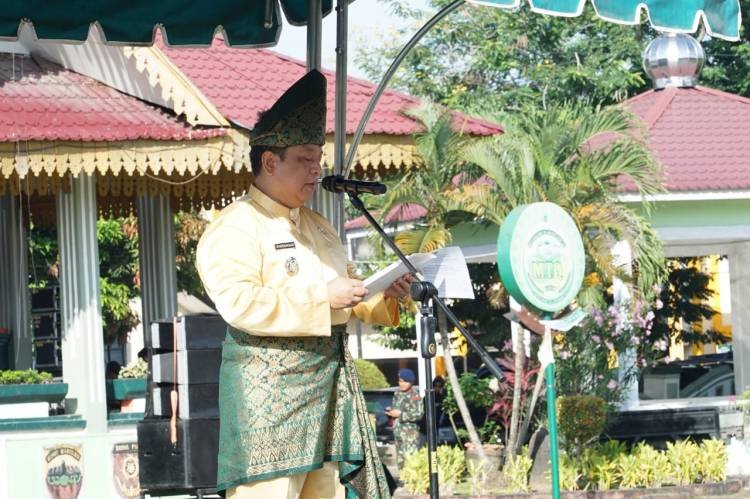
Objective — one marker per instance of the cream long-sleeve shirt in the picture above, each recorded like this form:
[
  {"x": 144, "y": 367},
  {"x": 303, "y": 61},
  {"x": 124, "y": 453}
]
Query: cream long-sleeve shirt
[{"x": 266, "y": 267}]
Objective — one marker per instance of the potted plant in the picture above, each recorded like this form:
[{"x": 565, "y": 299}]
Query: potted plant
[
  {"x": 27, "y": 394},
  {"x": 130, "y": 387}
]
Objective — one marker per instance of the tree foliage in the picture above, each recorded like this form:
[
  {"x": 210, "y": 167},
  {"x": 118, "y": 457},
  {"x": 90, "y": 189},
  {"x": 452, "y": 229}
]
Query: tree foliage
[
  {"x": 188, "y": 229},
  {"x": 119, "y": 270},
  {"x": 559, "y": 155},
  {"x": 728, "y": 63},
  {"x": 684, "y": 298},
  {"x": 481, "y": 59}
]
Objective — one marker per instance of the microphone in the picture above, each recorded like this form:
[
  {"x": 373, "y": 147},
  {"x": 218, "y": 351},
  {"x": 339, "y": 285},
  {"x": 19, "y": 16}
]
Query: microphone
[{"x": 337, "y": 183}]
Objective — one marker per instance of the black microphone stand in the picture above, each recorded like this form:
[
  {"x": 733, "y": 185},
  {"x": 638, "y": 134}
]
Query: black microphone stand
[{"x": 426, "y": 293}]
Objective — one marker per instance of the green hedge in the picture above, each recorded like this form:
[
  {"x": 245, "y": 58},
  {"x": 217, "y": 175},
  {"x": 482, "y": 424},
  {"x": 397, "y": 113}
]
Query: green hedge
[{"x": 29, "y": 377}]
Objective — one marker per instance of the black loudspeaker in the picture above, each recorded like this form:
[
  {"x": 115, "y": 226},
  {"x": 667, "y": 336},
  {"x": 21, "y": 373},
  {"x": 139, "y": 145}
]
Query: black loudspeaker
[
  {"x": 189, "y": 465},
  {"x": 194, "y": 332},
  {"x": 195, "y": 401},
  {"x": 193, "y": 367}
]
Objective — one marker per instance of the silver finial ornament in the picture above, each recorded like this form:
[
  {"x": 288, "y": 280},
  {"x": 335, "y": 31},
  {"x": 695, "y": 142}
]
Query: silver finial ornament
[{"x": 673, "y": 60}]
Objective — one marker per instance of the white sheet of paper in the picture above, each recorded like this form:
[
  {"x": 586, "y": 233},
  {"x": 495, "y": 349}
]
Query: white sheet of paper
[
  {"x": 383, "y": 278},
  {"x": 567, "y": 322},
  {"x": 449, "y": 273}
]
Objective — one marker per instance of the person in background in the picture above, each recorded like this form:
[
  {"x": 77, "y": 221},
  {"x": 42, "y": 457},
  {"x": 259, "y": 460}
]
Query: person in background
[
  {"x": 407, "y": 411},
  {"x": 438, "y": 384}
]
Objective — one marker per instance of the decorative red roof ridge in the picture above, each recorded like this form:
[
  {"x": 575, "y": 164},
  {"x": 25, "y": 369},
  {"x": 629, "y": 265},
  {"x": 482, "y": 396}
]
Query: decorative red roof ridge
[
  {"x": 42, "y": 101},
  {"x": 241, "y": 83},
  {"x": 663, "y": 101}
]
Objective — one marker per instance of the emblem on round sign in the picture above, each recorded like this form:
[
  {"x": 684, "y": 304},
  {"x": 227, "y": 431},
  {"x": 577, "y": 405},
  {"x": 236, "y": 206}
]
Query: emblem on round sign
[{"x": 540, "y": 256}]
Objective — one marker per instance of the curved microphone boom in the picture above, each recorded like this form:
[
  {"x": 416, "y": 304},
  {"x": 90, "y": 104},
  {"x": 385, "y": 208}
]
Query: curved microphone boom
[{"x": 339, "y": 183}]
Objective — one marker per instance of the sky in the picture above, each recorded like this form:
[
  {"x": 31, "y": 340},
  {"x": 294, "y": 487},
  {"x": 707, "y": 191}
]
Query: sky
[{"x": 369, "y": 21}]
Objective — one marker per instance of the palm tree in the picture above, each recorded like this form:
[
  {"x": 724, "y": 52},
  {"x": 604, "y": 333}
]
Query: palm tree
[
  {"x": 439, "y": 148},
  {"x": 578, "y": 158}
]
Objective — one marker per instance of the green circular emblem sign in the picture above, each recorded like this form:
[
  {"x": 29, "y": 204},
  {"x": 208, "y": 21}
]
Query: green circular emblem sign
[{"x": 540, "y": 256}]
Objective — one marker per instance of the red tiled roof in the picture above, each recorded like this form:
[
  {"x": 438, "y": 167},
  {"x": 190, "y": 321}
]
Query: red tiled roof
[
  {"x": 701, "y": 136},
  {"x": 399, "y": 213},
  {"x": 42, "y": 101},
  {"x": 241, "y": 83}
]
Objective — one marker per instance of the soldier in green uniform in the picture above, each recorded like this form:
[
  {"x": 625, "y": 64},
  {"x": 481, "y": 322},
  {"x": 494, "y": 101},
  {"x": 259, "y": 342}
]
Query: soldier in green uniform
[{"x": 407, "y": 411}]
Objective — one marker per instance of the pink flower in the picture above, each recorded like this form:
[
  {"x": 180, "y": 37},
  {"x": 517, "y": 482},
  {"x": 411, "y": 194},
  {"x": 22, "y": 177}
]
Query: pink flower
[
  {"x": 564, "y": 355},
  {"x": 612, "y": 384},
  {"x": 659, "y": 304},
  {"x": 609, "y": 345},
  {"x": 598, "y": 318},
  {"x": 596, "y": 338}
]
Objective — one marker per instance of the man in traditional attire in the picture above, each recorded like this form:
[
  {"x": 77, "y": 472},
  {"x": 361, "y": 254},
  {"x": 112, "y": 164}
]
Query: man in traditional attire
[
  {"x": 407, "y": 411},
  {"x": 293, "y": 419}
]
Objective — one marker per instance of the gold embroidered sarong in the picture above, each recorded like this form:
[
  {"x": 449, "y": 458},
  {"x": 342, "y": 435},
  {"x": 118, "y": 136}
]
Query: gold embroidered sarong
[{"x": 289, "y": 404}]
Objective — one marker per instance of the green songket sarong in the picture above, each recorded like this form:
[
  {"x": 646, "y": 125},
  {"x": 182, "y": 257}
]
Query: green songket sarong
[{"x": 287, "y": 405}]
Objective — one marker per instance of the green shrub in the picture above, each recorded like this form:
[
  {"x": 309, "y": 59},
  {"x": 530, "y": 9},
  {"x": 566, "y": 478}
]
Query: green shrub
[
  {"x": 628, "y": 471},
  {"x": 451, "y": 466},
  {"x": 134, "y": 370},
  {"x": 516, "y": 472},
  {"x": 652, "y": 465},
  {"x": 370, "y": 377},
  {"x": 570, "y": 473},
  {"x": 684, "y": 460},
  {"x": 600, "y": 469},
  {"x": 477, "y": 477},
  {"x": 451, "y": 463},
  {"x": 599, "y": 464},
  {"x": 713, "y": 463},
  {"x": 415, "y": 473},
  {"x": 28, "y": 377},
  {"x": 581, "y": 419}
]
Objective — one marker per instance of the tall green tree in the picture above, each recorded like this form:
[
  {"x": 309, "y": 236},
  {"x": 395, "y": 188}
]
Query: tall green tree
[
  {"x": 728, "y": 63},
  {"x": 118, "y": 269},
  {"x": 480, "y": 59}
]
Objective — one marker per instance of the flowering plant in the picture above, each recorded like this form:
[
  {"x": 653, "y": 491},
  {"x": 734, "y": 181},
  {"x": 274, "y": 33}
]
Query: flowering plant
[{"x": 602, "y": 355}]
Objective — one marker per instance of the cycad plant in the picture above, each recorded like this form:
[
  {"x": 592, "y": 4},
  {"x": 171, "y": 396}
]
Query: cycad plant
[
  {"x": 580, "y": 158},
  {"x": 440, "y": 144},
  {"x": 439, "y": 150}
]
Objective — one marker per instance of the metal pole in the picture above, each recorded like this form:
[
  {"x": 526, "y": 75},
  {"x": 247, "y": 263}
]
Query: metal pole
[
  {"x": 431, "y": 429},
  {"x": 552, "y": 422},
  {"x": 339, "y": 133},
  {"x": 387, "y": 78},
  {"x": 425, "y": 328},
  {"x": 314, "y": 27}
]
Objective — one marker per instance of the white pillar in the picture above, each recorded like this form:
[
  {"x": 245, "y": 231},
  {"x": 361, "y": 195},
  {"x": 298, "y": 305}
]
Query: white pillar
[
  {"x": 14, "y": 282},
  {"x": 622, "y": 257},
  {"x": 739, "y": 278},
  {"x": 83, "y": 344},
  {"x": 156, "y": 252}
]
